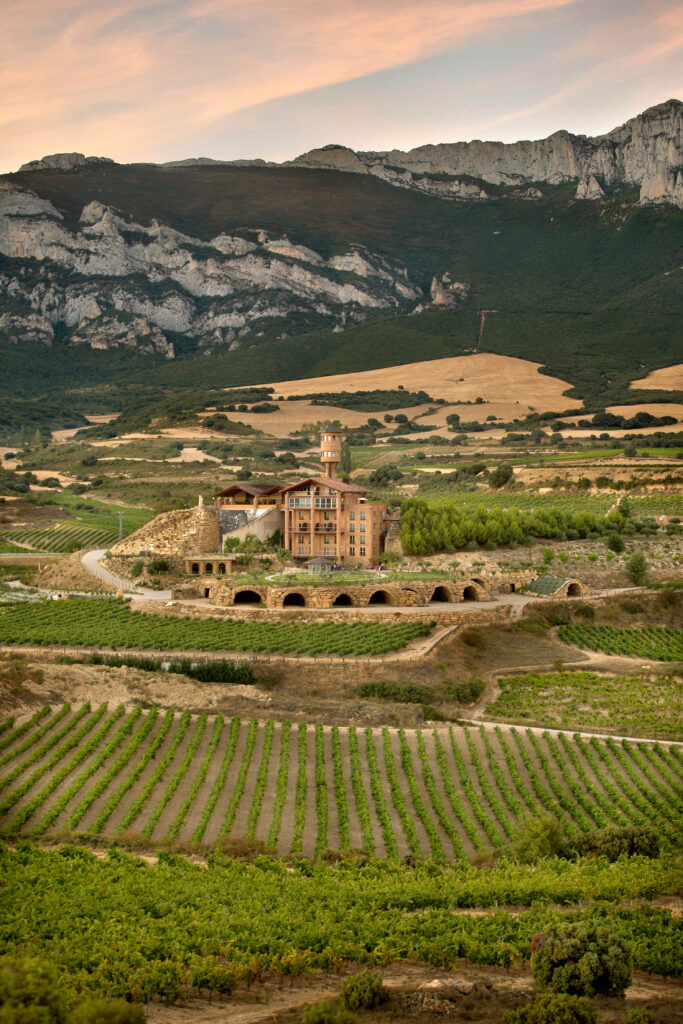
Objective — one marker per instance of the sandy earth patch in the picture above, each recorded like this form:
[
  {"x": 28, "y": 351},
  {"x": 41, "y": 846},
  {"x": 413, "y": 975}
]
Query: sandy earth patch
[{"x": 669, "y": 378}]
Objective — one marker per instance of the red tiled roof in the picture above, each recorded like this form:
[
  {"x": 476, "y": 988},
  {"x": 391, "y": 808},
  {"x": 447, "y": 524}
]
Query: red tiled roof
[{"x": 327, "y": 481}]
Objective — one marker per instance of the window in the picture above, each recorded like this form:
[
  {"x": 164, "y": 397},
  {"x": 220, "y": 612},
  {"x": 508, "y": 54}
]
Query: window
[
  {"x": 325, "y": 503},
  {"x": 301, "y": 549},
  {"x": 362, "y": 529},
  {"x": 302, "y": 515},
  {"x": 299, "y": 502},
  {"x": 352, "y": 551},
  {"x": 352, "y": 527},
  {"x": 352, "y": 515},
  {"x": 362, "y": 515},
  {"x": 362, "y": 551}
]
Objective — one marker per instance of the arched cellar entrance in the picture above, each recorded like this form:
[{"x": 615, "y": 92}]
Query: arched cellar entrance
[
  {"x": 221, "y": 567},
  {"x": 441, "y": 594},
  {"x": 208, "y": 568},
  {"x": 342, "y": 599},
  {"x": 574, "y": 590},
  {"x": 470, "y": 594},
  {"x": 195, "y": 569},
  {"x": 247, "y": 597},
  {"x": 380, "y": 597},
  {"x": 294, "y": 601}
]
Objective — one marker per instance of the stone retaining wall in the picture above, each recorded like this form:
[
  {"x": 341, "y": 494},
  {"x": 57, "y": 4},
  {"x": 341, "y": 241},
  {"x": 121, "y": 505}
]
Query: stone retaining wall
[{"x": 409, "y": 594}]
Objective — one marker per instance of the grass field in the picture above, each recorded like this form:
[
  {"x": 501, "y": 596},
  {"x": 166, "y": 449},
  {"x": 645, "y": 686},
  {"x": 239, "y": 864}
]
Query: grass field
[
  {"x": 103, "y": 622},
  {"x": 301, "y": 788},
  {"x": 627, "y": 705}
]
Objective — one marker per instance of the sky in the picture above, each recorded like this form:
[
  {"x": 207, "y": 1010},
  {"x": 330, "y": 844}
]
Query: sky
[{"x": 157, "y": 80}]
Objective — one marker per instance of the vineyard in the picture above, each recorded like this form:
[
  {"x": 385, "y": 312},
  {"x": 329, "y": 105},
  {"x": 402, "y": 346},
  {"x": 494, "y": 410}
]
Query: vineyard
[
  {"x": 583, "y": 700},
  {"x": 63, "y": 538},
  {"x": 660, "y": 643},
  {"x": 103, "y": 622},
  {"x": 176, "y": 929},
  {"x": 526, "y": 501},
  {"x": 658, "y": 505},
  {"x": 443, "y": 793}
]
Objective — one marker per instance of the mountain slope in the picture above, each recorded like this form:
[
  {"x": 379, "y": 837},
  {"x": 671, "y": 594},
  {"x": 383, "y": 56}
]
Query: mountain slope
[{"x": 119, "y": 284}]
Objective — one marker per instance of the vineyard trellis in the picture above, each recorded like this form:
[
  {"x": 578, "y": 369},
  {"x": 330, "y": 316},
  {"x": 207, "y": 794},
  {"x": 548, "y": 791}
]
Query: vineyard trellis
[{"x": 443, "y": 793}]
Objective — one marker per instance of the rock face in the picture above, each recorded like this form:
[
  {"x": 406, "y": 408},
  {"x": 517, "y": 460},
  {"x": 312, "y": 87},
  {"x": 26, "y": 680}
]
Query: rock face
[
  {"x": 646, "y": 151},
  {"x": 64, "y": 162},
  {"x": 112, "y": 282}
]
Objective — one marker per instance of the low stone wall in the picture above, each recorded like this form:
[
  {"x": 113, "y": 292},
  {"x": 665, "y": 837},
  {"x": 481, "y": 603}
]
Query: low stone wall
[{"x": 411, "y": 594}]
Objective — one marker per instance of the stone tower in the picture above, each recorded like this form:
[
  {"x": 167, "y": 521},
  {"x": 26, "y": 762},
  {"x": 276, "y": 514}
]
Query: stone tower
[{"x": 330, "y": 449}]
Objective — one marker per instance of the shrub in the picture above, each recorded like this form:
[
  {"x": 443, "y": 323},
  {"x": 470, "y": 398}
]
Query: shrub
[
  {"x": 638, "y": 1015},
  {"x": 539, "y": 835},
  {"x": 616, "y": 543},
  {"x": 29, "y": 993},
  {"x": 137, "y": 569},
  {"x": 464, "y": 693},
  {"x": 405, "y": 693},
  {"x": 615, "y": 842},
  {"x": 553, "y": 1009},
  {"x": 364, "y": 991},
  {"x": 158, "y": 565},
  {"x": 107, "y": 1011},
  {"x": 327, "y": 1012},
  {"x": 583, "y": 958}
]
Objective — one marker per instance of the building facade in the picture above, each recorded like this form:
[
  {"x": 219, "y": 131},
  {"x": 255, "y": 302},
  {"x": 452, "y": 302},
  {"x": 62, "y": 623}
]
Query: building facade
[{"x": 319, "y": 516}]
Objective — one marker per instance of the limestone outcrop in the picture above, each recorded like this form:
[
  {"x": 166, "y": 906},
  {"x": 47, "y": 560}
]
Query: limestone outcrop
[
  {"x": 64, "y": 162},
  {"x": 113, "y": 282}
]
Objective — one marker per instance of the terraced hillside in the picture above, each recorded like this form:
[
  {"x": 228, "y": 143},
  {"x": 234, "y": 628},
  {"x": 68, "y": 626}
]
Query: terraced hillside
[{"x": 307, "y": 788}]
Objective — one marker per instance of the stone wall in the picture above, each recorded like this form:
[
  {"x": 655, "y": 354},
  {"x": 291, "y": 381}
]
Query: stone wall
[
  {"x": 411, "y": 594},
  {"x": 192, "y": 531},
  {"x": 261, "y": 525}
]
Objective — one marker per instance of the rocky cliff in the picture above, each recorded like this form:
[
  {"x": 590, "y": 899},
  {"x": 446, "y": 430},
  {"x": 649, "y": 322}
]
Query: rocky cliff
[
  {"x": 112, "y": 282},
  {"x": 646, "y": 151}
]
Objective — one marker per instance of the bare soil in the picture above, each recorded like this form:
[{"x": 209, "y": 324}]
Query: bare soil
[{"x": 282, "y": 1001}]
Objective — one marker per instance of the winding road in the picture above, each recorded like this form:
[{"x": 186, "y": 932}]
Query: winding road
[{"x": 91, "y": 561}]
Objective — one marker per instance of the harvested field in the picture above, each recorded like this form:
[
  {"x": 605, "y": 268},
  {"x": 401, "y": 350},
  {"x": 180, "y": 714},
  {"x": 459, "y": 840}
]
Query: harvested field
[
  {"x": 669, "y": 378},
  {"x": 456, "y": 378},
  {"x": 444, "y": 792}
]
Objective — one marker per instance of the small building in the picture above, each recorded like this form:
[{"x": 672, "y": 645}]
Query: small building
[{"x": 319, "y": 566}]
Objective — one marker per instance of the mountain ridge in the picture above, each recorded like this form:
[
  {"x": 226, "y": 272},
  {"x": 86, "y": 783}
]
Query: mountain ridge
[{"x": 647, "y": 150}]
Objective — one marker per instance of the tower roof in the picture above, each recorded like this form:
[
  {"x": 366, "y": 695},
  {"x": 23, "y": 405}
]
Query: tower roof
[{"x": 329, "y": 429}]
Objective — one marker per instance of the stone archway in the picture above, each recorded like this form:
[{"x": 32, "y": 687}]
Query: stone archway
[
  {"x": 247, "y": 597},
  {"x": 441, "y": 593},
  {"x": 574, "y": 590},
  {"x": 294, "y": 600},
  {"x": 208, "y": 568},
  {"x": 470, "y": 594},
  {"x": 380, "y": 597},
  {"x": 195, "y": 569},
  {"x": 221, "y": 567},
  {"x": 342, "y": 599}
]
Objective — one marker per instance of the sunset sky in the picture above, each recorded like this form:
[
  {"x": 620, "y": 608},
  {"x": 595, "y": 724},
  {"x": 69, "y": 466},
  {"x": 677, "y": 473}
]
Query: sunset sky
[{"x": 166, "y": 79}]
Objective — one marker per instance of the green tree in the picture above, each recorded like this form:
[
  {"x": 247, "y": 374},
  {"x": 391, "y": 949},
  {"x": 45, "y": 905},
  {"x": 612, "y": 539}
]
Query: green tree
[
  {"x": 29, "y": 993},
  {"x": 345, "y": 461},
  {"x": 636, "y": 568}
]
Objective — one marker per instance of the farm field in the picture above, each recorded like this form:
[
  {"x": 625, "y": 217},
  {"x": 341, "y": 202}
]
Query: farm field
[
  {"x": 627, "y": 705},
  {"x": 659, "y": 643},
  {"x": 62, "y": 538},
  {"x": 104, "y": 622},
  {"x": 444, "y": 792}
]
